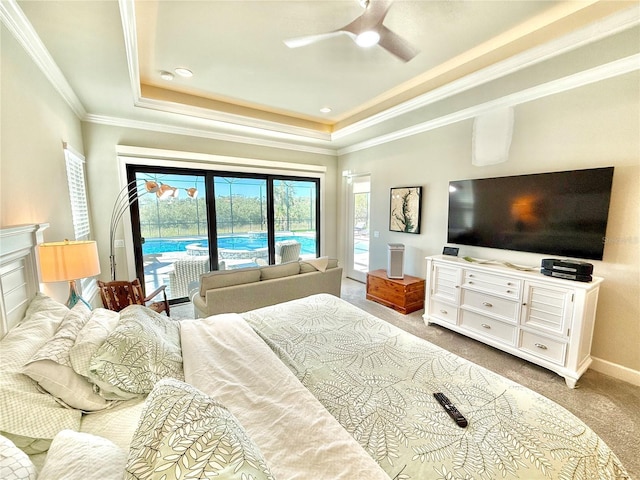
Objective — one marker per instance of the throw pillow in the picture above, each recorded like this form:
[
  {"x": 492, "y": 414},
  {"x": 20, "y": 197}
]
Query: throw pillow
[
  {"x": 184, "y": 433},
  {"x": 143, "y": 349}
]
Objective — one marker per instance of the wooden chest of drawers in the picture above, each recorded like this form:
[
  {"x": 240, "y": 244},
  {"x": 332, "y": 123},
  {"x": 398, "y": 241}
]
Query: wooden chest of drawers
[{"x": 404, "y": 295}]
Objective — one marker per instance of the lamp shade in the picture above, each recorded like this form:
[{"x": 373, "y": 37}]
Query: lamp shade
[{"x": 68, "y": 260}]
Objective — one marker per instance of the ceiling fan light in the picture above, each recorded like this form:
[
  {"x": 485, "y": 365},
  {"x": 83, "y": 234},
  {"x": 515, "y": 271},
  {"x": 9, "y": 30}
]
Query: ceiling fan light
[{"x": 368, "y": 38}]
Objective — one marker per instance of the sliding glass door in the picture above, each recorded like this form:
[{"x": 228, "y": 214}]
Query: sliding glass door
[
  {"x": 241, "y": 222},
  {"x": 197, "y": 220}
]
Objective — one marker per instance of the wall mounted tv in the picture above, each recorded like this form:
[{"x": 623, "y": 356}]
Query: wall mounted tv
[{"x": 560, "y": 213}]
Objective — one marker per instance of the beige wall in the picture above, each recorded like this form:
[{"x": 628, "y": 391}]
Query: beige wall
[
  {"x": 34, "y": 122},
  {"x": 593, "y": 126}
]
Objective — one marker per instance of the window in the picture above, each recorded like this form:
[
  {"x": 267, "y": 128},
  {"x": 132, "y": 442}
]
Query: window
[
  {"x": 77, "y": 193},
  {"x": 79, "y": 208}
]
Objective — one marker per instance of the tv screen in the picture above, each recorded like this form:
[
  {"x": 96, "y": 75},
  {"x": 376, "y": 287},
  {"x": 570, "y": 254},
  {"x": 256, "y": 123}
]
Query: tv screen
[{"x": 560, "y": 213}]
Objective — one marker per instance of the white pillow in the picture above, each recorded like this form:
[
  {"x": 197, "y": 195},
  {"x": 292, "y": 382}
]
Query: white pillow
[
  {"x": 14, "y": 463},
  {"x": 82, "y": 456},
  {"x": 29, "y": 418},
  {"x": 51, "y": 366},
  {"x": 91, "y": 337}
]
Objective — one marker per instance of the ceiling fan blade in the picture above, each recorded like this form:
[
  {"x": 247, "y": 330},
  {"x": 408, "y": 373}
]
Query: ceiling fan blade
[
  {"x": 396, "y": 45},
  {"x": 309, "y": 39},
  {"x": 370, "y": 18}
]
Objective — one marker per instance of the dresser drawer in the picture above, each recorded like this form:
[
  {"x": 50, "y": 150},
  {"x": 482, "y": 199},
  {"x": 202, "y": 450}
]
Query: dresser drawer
[
  {"x": 543, "y": 347},
  {"x": 488, "y": 327},
  {"x": 443, "y": 311},
  {"x": 496, "y": 284},
  {"x": 495, "y": 306}
]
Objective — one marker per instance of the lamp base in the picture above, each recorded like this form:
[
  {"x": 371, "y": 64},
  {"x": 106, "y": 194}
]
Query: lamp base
[{"x": 74, "y": 296}]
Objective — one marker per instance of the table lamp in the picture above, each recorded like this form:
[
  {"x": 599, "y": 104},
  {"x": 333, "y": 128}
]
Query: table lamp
[{"x": 69, "y": 261}]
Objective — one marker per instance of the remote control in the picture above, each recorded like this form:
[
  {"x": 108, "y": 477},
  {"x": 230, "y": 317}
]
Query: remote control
[{"x": 451, "y": 409}]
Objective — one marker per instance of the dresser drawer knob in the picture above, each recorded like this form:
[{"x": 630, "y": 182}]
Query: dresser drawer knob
[
  {"x": 509, "y": 291},
  {"x": 484, "y": 325},
  {"x": 487, "y": 304},
  {"x": 444, "y": 312},
  {"x": 541, "y": 346},
  {"x": 470, "y": 283}
]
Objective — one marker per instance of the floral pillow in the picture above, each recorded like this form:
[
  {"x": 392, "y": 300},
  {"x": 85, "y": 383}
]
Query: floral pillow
[
  {"x": 143, "y": 349},
  {"x": 183, "y": 433}
]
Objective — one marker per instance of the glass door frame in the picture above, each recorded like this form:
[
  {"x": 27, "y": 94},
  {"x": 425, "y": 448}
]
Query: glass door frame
[
  {"x": 351, "y": 272},
  {"x": 133, "y": 168}
]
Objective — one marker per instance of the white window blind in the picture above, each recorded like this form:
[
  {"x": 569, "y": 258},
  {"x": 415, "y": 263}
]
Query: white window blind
[{"x": 77, "y": 193}]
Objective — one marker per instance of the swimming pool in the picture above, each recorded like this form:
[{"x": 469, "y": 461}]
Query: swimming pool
[{"x": 158, "y": 246}]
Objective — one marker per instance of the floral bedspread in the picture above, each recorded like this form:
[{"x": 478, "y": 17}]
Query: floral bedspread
[{"x": 378, "y": 382}]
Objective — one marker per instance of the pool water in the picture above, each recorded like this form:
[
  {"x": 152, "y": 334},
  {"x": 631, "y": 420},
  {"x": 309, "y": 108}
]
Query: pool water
[{"x": 238, "y": 242}]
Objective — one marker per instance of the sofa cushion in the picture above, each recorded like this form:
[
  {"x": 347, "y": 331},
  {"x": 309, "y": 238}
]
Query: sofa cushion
[
  {"x": 220, "y": 279},
  {"x": 279, "y": 271},
  {"x": 308, "y": 267}
]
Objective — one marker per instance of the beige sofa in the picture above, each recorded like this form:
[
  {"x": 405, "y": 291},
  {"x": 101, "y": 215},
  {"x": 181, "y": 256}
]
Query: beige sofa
[{"x": 241, "y": 290}]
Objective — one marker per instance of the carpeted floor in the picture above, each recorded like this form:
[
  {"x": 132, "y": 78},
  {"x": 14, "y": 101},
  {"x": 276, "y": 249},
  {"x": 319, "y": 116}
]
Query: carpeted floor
[{"x": 610, "y": 407}]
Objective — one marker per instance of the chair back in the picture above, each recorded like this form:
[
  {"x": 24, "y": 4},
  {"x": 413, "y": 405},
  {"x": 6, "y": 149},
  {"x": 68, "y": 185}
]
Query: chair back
[
  {"x": 288, "y": 251},
  {"x": 118, "y": 295}
]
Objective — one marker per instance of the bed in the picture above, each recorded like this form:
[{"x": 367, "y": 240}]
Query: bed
[{"x": 313, "y": 388}]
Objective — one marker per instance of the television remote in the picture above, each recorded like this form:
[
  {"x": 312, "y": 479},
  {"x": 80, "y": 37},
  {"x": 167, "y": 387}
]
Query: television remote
[{"x": 451, "y": 409}]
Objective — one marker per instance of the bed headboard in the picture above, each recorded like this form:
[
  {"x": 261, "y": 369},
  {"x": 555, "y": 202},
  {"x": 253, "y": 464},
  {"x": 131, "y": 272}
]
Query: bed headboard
[{"x": 18, "y": 271}]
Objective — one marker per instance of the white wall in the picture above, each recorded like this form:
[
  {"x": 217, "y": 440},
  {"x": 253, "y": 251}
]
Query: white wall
[{"x": 593, "y": 126}]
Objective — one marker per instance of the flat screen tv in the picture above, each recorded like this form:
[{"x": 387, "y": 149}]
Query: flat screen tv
[{"x": 560, "y": 213}]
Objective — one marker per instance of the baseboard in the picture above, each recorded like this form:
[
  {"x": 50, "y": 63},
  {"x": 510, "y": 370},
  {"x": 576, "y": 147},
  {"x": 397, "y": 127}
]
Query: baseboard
[{"x": 617, "y": 371}]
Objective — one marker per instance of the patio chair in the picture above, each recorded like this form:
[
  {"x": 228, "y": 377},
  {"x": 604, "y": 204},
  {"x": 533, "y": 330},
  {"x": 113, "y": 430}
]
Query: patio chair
[
  {"x": 120, "y": 294},
  {"x": 185, "y": 271},
  {"x": 288, "y": 251}
]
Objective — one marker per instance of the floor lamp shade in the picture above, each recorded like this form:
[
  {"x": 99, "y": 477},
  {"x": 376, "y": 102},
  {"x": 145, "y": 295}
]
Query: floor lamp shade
[{"x": 69, "y": 261}]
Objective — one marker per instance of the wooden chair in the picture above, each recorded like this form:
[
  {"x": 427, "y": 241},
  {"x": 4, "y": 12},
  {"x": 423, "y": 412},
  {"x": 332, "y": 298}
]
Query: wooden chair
[{"x": 118, "y": 295}]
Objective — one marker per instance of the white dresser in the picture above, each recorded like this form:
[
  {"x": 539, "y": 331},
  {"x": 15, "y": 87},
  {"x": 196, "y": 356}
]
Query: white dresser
[{"x": 545, "y": 320}]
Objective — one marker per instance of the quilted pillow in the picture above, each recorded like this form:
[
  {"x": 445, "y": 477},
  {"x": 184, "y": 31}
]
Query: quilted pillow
[
  {"x": 14, "y": 463},
  {"x": 81, "y": 456},
  {"x": 183, "y": 433},
  {"x": 143, "y": 349},
  {"x": 89, "y": 339},
  {"x": 29, "y": 418},
  {"x": 51, "y": 365}
]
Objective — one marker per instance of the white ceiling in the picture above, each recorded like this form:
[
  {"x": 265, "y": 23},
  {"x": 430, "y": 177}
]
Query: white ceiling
[{"x": 247, "y": 81}]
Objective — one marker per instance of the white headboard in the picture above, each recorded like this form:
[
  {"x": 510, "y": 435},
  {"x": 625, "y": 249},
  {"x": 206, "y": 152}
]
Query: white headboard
[{"x": 18, "y": 271}]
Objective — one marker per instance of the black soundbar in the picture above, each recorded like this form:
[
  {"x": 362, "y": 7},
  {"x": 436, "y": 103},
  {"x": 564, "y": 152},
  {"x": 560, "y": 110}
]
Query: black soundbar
[{"x": 567, "y": 266}]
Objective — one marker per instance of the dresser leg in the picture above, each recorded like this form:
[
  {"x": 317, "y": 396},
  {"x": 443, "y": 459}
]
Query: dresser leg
[{"x": 571, "y": 382}]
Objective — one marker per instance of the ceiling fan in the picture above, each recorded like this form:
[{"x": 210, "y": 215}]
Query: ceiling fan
[{"x": 366, "y": 30}]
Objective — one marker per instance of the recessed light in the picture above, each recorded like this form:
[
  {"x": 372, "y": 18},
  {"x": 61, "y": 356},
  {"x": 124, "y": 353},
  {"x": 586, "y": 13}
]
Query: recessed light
[
  {"x": 184, "y": 72},
  {"x": 166, "y": 75},
  {"x": 325, "y": 110}
]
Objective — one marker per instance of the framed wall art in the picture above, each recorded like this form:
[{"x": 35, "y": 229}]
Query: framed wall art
[{"x": 404, "y": 213}]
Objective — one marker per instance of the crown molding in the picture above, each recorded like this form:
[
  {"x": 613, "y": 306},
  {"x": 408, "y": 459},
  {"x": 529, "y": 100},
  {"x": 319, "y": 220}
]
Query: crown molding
[
  {"x": 128, "y": 18},
  {"x": 570, "y": 82},
  {"x": 236, "y": 123},
  {"x": 17, "y": 23},
  {"x": 173, "y": 155},
  {"x": 608, "y": 26},
  {"x": 195, "y": 132}
]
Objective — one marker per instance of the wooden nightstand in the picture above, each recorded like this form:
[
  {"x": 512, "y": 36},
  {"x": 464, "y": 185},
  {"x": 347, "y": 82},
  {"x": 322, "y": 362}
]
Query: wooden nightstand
[{"x": 404, "y": 295}]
